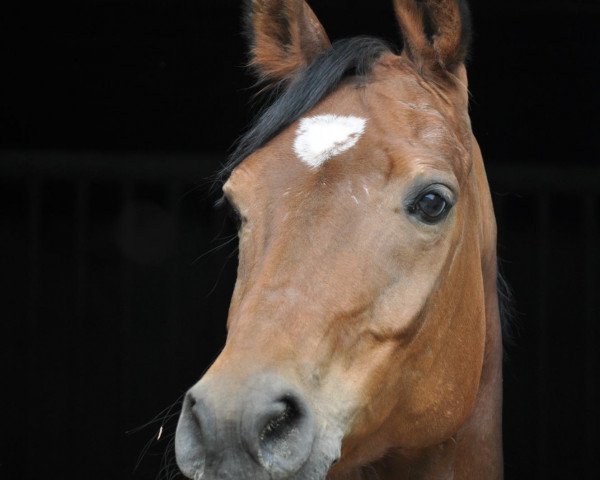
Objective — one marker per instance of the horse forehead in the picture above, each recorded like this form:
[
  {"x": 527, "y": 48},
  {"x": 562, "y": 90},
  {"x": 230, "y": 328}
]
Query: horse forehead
[
  {"x": 337, "y": 126},
  {"x": 393, "y": 108}
]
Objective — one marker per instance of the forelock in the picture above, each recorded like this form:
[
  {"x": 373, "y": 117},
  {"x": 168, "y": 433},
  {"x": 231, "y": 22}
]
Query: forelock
[{"x": 348, "y": 58}]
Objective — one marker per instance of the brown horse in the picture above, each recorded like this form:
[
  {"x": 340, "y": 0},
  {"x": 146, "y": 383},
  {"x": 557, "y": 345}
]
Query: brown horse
[{"x": 364, "y": 333}]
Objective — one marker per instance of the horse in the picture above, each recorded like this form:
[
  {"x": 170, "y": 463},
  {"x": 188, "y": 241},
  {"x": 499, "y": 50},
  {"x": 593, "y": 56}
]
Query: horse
[{"x": 364, "y": 334}]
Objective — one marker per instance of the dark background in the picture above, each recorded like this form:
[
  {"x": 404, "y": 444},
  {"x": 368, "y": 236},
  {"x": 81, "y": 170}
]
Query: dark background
[{"x": 116, "y": 269}]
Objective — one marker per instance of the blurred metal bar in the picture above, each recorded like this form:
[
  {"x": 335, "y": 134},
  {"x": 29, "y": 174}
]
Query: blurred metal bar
[
  {"x": 201, "y": 168},
  {"x": 543, "y": 207},
  {"x": 125, "y": 335},
  {"x": 110, "y": 166},
  {"x": 35, "y": 200},
  {"x": 81, "y": 247},
  {"x": 78, "y": 352},
  {"x": 34, "y": 240},
  {"x": 555, "y": 178},
  {"x": 591, "y": 337},
  {"x": 174, "y": 204}
]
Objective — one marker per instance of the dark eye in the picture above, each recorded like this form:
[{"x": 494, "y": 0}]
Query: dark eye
[{"x": 431, "y": 207}]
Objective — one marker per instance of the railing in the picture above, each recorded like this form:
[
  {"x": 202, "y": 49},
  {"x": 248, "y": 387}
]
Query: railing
[
  {"x": 548, "y": 235},
  {"x": 579, "y": 188}
]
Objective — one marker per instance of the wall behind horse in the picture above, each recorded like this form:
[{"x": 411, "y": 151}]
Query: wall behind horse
[
  {"x": 164, "y": 75},
  {"x": 116, "y": 310},
  {"x": 120, "y": 275},
  {"x": 116, "y": 267}
]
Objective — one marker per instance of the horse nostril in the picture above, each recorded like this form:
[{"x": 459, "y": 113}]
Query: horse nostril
[
  {"x": 189, "y": 448},
  {"x": 285, "y": 416},
  {"x": 279, "y": 433}
]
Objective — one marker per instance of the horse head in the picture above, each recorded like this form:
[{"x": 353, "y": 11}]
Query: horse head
[{"x": 363, "y": 331}]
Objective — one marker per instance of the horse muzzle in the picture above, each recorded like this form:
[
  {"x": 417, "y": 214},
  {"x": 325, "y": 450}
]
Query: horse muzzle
[{"x": 263, "y": 430}]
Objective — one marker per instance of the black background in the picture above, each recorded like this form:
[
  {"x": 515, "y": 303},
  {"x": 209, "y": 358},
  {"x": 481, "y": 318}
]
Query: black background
[{"x": 115, "y": 279}]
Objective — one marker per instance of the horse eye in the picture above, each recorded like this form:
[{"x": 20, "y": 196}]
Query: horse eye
[{"x": 431, "y": 207}]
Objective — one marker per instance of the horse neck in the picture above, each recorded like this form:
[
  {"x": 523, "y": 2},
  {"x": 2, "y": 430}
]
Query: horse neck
[
  {"x": 475, "y": 451},
  {"x": 479, "y": 442}
]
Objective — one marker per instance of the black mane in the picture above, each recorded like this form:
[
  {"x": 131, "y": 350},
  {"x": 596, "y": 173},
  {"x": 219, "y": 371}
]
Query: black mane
[{"x": 352, "y": 57}]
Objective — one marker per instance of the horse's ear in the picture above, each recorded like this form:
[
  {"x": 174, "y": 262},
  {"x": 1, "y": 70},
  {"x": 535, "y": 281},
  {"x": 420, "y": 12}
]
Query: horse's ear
[
  {"x": 285, "y": 35},
  {"x": 437, "y": 33}
]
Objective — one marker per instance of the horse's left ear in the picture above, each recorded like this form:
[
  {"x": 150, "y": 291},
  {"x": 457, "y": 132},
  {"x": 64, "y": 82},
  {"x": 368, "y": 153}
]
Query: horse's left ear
[
  {"x": 437, "y": 33},
  {"x": 285, "y": 36}
]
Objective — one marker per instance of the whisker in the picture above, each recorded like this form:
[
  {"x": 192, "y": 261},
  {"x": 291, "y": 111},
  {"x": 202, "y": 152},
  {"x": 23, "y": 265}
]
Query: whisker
[
  {"x": 169, "y": 468},
  {"x": 143, "y": 453},
  {"x": 162, "y": 418},
  {"x": 214, "y": 287},
  {"x": 214, "y": 249},
  {"x": 158, "y": 417}
]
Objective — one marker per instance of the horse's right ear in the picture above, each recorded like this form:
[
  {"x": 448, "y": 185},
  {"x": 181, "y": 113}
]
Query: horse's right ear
[
  {"x": 437, "y": 33},
  {"x": 285, "y": 35}
]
